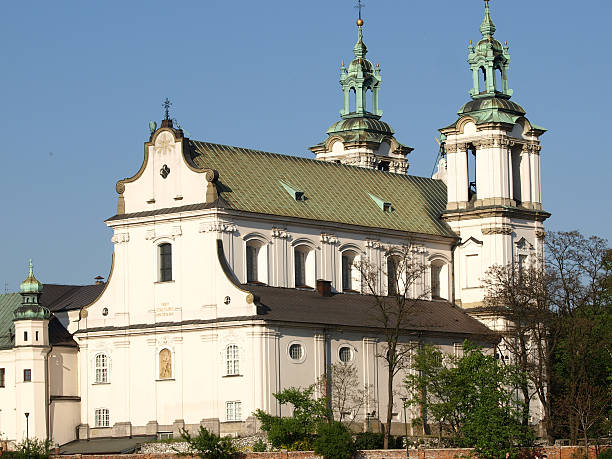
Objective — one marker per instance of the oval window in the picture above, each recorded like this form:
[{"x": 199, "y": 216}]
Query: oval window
[
  {"x": 296, "y": 352},
  {"x": 345, "y": 354}
]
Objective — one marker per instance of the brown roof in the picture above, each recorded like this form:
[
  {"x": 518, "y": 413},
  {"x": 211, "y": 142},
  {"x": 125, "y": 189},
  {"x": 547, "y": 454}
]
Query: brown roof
[
  {"x": 356, "y": 310},
  {"x": 56, "y": 297}
]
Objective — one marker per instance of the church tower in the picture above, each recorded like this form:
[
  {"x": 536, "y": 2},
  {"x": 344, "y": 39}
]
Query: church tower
[
  {"x": 492, "y": 170},
  {"x": 360, "y": 138},
  {"x": 31, "y": 321}
]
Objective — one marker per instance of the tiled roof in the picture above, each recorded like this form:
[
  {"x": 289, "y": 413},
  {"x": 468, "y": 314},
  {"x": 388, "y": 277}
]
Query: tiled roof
[
  {"x": 355, "y": 310},
  {"x": 56, "y": 298},
  {"x": 252, "y": 181}
]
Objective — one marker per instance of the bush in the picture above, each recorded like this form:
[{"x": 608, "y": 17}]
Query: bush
[
  {"x": 32, "y": 448},
  {"x": 605, "y": 454},
  {"x": 260, "y": 446},
  {"x": 334, "y": 441},
  {"x": 207, "y": 445},
  {"x": 369, "y": 440}
]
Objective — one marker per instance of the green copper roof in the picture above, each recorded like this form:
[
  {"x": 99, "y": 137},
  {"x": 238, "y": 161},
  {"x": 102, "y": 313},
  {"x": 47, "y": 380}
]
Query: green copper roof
[
  {"x": 31, "y": 312},
  {"x": 8, "y": 303},
  {"x": 253, "y": 181},
  {"x": 31, "y": 284}
]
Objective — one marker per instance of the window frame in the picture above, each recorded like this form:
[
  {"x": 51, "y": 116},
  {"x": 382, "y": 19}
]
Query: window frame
[
  {"x": 2, "y": 377},
  {"x": 27, "y": 375},
  {"x": 101, "y": 369},
  {"x": 101, "y": 418},
  {"x": 162, "y": 258},
  {"x": 351, "y": 353},
  {"x": 303, "y": 352},
  {"x": 233, "y": 411},
  {"x": 308, "y": 265},
  {"x": 232, "y": 365}
]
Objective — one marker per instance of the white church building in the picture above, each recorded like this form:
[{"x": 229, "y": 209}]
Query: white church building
[{"x": 234, "y": 270}]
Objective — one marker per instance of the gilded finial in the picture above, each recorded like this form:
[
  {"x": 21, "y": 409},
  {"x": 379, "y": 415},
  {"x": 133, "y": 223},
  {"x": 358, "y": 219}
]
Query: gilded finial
[
  {"x": 377, "y": 64},
  {"x": 470, "y": 41},
  {"x": 505, "y": 42},
  {"x": 359, "y": 6},
  {"x": 342, "y": 62}
]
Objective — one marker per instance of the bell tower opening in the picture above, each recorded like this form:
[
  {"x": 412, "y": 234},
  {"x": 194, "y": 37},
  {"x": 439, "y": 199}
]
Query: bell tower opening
[{"x": 471, "y": 172}]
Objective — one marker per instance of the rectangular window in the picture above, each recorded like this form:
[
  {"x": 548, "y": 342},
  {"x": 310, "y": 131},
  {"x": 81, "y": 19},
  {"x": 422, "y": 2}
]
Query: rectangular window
[
  {"x": 2, "y": 377},
  {"x": 347, "y": 279},
  {"x": 101, "y": 368},
  {"x": 102, "y": 418},
  {"x": 36, "y": 336},
  {"x": 27, "y": 375},
  {"x": 233, "y": 411},
  {"x": 25, "y": 335},
  {"x": 436, "y": 274},
  {"x": 251, "y": 262},
  {"x": 165, "y": 262},
  {"x": 300, "y": 268}
]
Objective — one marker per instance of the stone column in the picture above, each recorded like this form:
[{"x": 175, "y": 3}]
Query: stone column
[
  {"x": 370, "y": 374},
  {"x": 279, "y": 260},
  {"x": 320, "y": 348},
  {"x": 329, "y": 242},
  {"x": 536, "y": 188},
  {"x": 457, "y": 167},
  {"x": 525, "y": 172}
]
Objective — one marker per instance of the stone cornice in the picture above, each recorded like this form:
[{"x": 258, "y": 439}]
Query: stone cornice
[{"x": 495, "y": 211}]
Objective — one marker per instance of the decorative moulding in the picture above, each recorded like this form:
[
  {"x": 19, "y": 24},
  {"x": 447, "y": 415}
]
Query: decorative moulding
[
  {"x": 217, "y": 227},
  {"x": 119, "y": 238},
  {"x": 280, "y": 233}
]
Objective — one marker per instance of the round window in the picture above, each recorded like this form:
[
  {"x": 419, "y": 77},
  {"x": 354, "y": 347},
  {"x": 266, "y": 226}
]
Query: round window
[
  {"x": 296, "y": 352},
  {"x": 345, "y": 354}
]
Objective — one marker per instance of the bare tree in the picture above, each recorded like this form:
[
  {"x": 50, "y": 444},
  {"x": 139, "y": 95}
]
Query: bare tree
[
  {"x": 551, "y": 307},
  {"x": 521, "y": 295},
  {"x": 396, "y": 288},
  {"x": 348, "y": 396}
]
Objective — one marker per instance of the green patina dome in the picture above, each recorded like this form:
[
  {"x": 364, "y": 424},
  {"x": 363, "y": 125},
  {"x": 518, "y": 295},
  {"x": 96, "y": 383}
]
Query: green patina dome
[
  {"x": 31, "y": 312},
  {"x": 360, "y": 64},
  {"x": 492, "y": 104},
  {"x": 31, "y": 284},
  {"x": 360, "y": 124},
  {"x": 31, "y": 289}
]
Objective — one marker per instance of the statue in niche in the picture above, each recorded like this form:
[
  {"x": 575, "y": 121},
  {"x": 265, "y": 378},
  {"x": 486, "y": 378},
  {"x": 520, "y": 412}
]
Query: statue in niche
[{"x": 165, "y": 364}]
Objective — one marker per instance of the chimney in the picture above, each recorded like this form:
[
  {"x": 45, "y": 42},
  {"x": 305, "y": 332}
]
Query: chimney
[
  {"x": 99, "y": 280},
  {"x": 324, "y": 287}
]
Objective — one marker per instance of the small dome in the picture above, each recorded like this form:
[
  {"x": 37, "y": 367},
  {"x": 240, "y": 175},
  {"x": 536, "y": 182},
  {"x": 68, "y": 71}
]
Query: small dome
[
  {"x": 488, "y": 103},
  {"x": 365, "y": 65},
  {"x": 361, "y": 123},
  {"x": 31, "y": 312},
  {"x": 31, "y": 284}
]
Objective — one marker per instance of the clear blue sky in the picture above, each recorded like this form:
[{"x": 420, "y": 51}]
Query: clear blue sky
[{"x": 81, "y": 80}]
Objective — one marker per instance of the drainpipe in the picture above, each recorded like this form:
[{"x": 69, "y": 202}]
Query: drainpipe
[
  {"x": 452, "y": 289},
  {"x": 47, "y": 395}
]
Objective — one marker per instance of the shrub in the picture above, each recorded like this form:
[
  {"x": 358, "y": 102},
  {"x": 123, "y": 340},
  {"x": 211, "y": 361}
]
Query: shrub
[
  {"x": 32, "y": 448},
  {"x": 260, "y": 446},
  {"x": 605, "y": 454},
  {"x": 369, "y": 440},
  {"x": 207, "y": 445},
  {"x": 334, "y": 441}
]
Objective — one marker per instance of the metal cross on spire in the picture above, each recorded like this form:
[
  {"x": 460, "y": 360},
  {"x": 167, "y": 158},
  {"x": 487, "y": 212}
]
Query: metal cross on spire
[
  {"x": 359, "y": 5},
  {"x": 166, "y": 105}
]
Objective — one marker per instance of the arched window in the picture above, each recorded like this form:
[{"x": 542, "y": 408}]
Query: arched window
[
  {"x": 165, "y": 364},
  {"x": 101, "y": 364},
  {"x": 232, "y": 360},
  {"x": 439, "y": 280},
  {"x": 256, "y": 262},
  {"x": 165, "y": 262},
  {"x": 392, "y": 275},
  {"x": 350, "y": 272},
  {"x": 304, "y": 266}
]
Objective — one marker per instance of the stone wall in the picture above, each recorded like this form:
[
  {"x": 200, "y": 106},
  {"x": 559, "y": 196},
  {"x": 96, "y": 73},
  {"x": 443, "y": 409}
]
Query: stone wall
[{"x": 550, "y": 452}]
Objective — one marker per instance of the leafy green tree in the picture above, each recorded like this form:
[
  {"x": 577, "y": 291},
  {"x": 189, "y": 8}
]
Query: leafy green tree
[
  {"x": 334, "y": 441},
  {"x": 470, "y": 396},
  {"x": 207, "y": 445},
  {"x": 298, "y": 430}
]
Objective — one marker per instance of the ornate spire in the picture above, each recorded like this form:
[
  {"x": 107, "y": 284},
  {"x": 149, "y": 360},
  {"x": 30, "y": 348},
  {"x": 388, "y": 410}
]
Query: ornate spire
[
  {"x": 30, "y": 308},
  {"x": 359, "y": 78},
  {"x": 31, "y": 284},
  {"x": 360, "y": 49},
  {"x": 490, "y": 60},
  {"x": 487, "y": 28}
]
